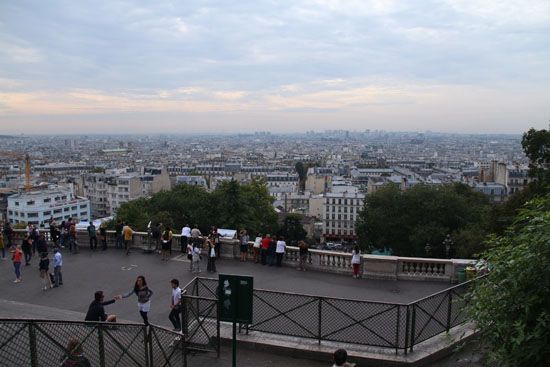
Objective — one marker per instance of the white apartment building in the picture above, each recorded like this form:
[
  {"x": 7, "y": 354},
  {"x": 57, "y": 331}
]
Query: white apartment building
[
  {"x": 338, "y": 211},
  {"x": 37, "y": 207}
]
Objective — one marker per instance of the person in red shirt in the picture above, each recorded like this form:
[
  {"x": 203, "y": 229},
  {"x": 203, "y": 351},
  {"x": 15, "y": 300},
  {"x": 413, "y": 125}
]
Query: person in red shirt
[
  {"x": 265, "y": 247},
  {"x": 16, "y": 257}
]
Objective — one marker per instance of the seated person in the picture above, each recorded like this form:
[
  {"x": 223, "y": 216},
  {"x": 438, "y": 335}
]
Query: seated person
[
  {"x": 340, "y": 359},
  {"x": 96, "y": 312}
]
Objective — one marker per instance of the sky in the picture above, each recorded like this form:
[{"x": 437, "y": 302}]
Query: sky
[{"x": 117, "y": 66}]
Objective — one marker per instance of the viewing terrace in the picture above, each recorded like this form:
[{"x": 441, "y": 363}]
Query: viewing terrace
[{"x": 385, "y": 279}]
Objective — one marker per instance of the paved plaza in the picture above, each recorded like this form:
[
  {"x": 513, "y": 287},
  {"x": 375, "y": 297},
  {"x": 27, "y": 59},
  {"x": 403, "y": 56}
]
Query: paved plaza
[{"x": 114, "y": 272}]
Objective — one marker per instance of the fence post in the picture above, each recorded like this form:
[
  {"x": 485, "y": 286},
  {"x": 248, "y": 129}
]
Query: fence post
[
  {"x": 407, "y": 329},
  {"x": 449, "y": 310},
  {"x": 101, "y": 345},
  {"x": 148, "y": 330},
  {"x": 320, "y": 309},
  {"x": 413, "y": 324},
  {"x": 397, "y": 329},
  {"x": 32, "y": 345},
  {"x": 218, "y": 342}
]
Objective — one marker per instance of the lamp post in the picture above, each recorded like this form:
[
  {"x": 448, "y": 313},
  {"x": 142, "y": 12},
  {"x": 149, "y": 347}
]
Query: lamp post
[
  {"x": 448, "y": 242},
  {"x": 428, "y": 249}
]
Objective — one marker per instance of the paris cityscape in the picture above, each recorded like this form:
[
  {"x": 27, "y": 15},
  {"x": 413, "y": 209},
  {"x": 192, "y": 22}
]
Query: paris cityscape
[{"x": 290, "y": 183}]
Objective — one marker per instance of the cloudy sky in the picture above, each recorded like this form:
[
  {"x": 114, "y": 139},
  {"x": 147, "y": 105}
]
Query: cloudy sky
[{"x": 227, "y": 66}]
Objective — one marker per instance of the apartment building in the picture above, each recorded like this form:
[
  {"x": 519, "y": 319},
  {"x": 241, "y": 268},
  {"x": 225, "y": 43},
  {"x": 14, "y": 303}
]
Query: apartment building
[{"x": 38, "y": 207}]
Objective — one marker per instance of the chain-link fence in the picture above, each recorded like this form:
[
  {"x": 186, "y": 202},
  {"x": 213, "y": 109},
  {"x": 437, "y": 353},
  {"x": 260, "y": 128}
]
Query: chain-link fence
[
  {"x": 38, "y": 343},
  {"x": 379, "y": 324}
]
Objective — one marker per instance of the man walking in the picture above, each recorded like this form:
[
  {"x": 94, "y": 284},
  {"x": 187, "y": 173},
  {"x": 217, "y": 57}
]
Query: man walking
[
  {"x": 175, "y": 306},
  {"x": 93, "y": 236},
  {"x": 128, "y": 234},
  {"x": 57, "y": 263}
]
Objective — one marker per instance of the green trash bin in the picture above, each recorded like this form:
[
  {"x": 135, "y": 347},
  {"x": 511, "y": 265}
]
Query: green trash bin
[
  {"x": 461, "y": 275},
  {"x": 470, "y": 273}
]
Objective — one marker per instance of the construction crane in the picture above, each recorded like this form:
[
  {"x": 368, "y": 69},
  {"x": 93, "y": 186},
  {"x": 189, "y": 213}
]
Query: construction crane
[{"x": 27, "y": 159}]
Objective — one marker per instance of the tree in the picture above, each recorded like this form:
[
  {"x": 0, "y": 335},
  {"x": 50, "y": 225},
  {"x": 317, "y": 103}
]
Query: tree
[
  {"x": 511, "y": 306},
  {"x": 417, "y": 221},
  {"x": 536, "y": 145},
  {"x": 292, "y": 228}
]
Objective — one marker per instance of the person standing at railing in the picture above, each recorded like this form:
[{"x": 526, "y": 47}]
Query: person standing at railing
[
  {"x": 92, "y": 234},
  {"x": 166, "y": 243},
  {"x": 185, "y": 235},
  {"x": 256, "y": 247},
  {"x": 103, "y": 235},
  {"x": 63, "y": 234},
  {"x": 243, "y": 240},
  {"x": 271, "y": 250},
  {"x": 119, "y": 227},
  {"x": 196, "y": 235},
  {"x": 8, "y": 234},
  {"x": 175, "y": 305},
  {"x": 302, "y": 245},
  {"x": 215, "y": 237},
  {"x": 128, "y": 234},
  {"x": 27, "y": 249},
  {"x": 211, "y": 251},
  {"x": 144, "y": 295},
  {"x": 280, "y": 250},
  {"x": 264, "y": 249},
  {"x": 356, "y": 261},
  {"x": 2, "y": 246},
  {"x": 196, "y": 259}
]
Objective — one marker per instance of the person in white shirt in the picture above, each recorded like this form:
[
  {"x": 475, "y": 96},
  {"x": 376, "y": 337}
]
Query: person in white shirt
[
  {"x": 280, "y": 250},
  {"x": 356, "y": 261},
  {"x": 57, "y": 264},
  {"x": 175, "y": 305},
  {"x": 257, "y": 245},
  {"x": 185, "y": 234},
  {"x": 196, "y": 261}
]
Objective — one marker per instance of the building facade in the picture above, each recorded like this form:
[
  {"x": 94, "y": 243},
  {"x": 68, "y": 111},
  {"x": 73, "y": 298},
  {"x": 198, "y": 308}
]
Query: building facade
[{"x": 38, "y": 207}]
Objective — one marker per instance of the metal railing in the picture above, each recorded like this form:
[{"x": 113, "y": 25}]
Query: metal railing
[
  {"x": 44, "y": 343},
  {"x": 397, "y": 326}
]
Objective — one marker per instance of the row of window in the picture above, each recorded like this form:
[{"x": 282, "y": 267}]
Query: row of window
[
  {"x": 343, "y": 224},
  {"x": 344, "y": 201},
  {"x": 46, "y": 200},
  {"x": 344, "y": 209},
  {"x": 339, "y": 216},
  {"x": 46, "y": 213}
]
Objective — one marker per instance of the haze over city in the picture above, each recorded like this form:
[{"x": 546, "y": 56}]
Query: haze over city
[{"x": 163, "y": 67}]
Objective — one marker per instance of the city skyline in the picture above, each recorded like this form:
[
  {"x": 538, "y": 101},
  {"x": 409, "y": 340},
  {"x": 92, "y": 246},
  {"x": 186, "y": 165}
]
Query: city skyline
[{"x": 132, "y": 67}]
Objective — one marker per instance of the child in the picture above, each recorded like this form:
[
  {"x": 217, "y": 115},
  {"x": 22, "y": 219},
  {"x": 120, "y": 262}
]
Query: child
[{"x": 17, "y": 255}]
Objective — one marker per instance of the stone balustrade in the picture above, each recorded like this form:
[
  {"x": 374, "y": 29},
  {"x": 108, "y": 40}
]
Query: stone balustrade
[{"x": 372, "y": 266}]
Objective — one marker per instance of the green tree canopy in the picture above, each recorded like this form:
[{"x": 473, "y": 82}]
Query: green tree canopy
[
  {"x": 231, "y": 205},
  {"x": 512, "y": 305},
  {"x": 415, "y": 222},
  {"x": 292, "y": 228}
]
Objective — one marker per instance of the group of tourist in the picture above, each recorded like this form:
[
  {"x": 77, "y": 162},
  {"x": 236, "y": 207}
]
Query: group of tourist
[{"x": 33, "y": 243}]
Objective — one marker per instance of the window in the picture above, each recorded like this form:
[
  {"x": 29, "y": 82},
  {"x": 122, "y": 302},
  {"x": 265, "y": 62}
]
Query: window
[
  {"x": 17, "y": 203},
  {"x": 66, "y": 209},
  {"x": 47, "y": 200},
  {"x": 10, "y": 212},
  {"x": 73, "y": 207},
  {"x": 32, "y": 215},
  {"x": 64, "y": 197},
  {"x": 57, "y": 211},
  {"x": 57, "y": 198},
  {"x": 83, "y": 206},
  {"x": 31, "y": 202},
  {"x": 47, "y": 212},
  {"x": 83, "y": 213}
]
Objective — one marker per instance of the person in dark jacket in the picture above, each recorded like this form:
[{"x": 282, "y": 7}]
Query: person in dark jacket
[{"x": 96, "y": 310}]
